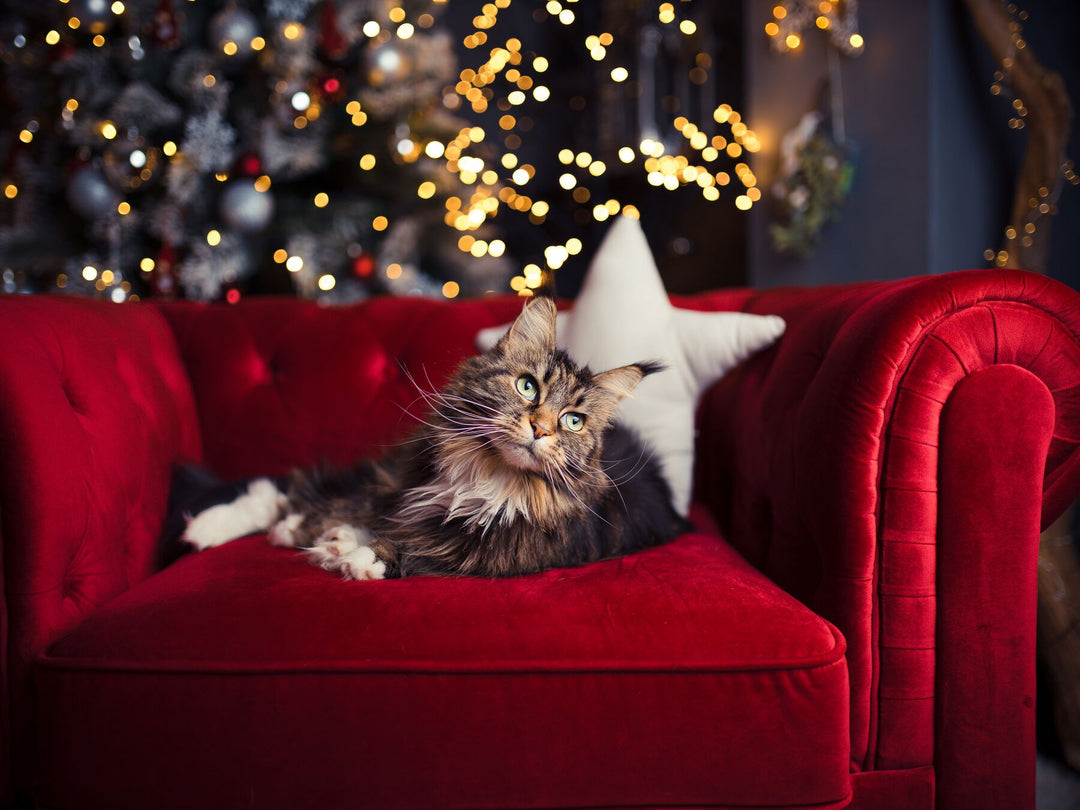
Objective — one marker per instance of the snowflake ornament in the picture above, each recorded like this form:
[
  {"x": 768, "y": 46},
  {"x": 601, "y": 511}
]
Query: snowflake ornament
[
  {"x": 209, "y": 142},
  {"x": 208, "y": 268}
]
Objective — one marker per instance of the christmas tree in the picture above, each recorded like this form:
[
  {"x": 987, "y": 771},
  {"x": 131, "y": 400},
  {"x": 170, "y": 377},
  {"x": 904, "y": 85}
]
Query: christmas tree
[
  {"x": 344, "y": 148},
  {"x": 206, "y": 149}
]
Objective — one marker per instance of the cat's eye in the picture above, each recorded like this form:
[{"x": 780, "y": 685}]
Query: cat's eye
[
  {"x": 573, "y": 421},
  {"x": 526, "y": 386}
]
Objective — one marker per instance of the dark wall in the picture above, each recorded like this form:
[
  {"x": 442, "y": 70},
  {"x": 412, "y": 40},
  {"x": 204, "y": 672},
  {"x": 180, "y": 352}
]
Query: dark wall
[{"x": 936, "y": 158}]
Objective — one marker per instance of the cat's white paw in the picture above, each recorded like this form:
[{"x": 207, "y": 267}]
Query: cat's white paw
[
  {"x": 343, "y": 549},
  {"x": 363, "y": 564},
  {"x": 212, "y": 527},
  {"x": 283, "y": 533},
  {"x": 254, "y": 511}
]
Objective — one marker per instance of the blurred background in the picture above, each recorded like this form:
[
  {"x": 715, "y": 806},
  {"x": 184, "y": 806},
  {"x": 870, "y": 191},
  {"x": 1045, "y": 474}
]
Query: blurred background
[{"x": 338, "y": 149}]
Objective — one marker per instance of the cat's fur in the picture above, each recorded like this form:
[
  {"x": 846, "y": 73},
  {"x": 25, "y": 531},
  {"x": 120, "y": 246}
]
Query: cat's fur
[{"x": 495, "y": 483}]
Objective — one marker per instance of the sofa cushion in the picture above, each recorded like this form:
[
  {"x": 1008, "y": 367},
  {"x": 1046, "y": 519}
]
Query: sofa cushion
[{"x": 244, "y": 676}]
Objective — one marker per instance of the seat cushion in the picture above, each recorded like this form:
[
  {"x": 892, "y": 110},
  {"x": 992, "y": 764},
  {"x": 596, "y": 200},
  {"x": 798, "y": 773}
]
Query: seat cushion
[{"x": 243, "y": 676}]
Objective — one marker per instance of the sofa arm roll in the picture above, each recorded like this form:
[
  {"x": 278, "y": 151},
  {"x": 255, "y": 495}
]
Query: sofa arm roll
[
  {"x": 95, "y": 407},
  {"x": 824, "y": 458}
]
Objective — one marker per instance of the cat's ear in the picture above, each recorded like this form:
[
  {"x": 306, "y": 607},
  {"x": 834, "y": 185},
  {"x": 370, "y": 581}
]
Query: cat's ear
[
  {"x": 534, "y": 326},
  {"x": 622, "y": 381}
]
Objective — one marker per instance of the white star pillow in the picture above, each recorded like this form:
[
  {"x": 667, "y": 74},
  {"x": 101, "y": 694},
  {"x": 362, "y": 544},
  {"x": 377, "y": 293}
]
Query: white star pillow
[{"x": 623, "y": 315}]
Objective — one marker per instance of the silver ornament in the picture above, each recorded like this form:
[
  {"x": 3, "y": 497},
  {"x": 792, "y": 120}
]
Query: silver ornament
[
  {"x": 245, "y": 208},
  {"x": 89, "y": 194},
  {"x": 237, "y": 26},
  {"x": 387, "y": 63}
]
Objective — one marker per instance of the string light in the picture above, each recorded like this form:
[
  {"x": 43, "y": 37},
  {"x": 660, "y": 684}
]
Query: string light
[
  {"x": 837, "y": 18},
  {"x": 1045, "y": 203}
]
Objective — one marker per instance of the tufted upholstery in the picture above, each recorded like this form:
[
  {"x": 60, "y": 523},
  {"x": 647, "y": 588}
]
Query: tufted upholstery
[
  {"x": 282, "y": 383},
  {"x": 96, "y": 408},
  {"x": 889, "y": 465},
  {"x": 830, "y": 481}
]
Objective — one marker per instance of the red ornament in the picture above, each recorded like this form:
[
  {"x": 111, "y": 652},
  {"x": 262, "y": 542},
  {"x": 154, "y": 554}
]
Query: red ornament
[
  {"x": 232, "y": 296},
  {"x": 330, "y": 85},
  {"x": 250, "y": 165},
  {"x": 166, "y": 25},
  {"x": 363, "y": 265},
  {"x": 330, "y": 39},
  {"x": 163, "y": 281}
]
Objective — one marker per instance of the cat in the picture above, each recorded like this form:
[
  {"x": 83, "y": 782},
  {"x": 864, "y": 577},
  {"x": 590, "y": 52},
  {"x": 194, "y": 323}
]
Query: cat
[{"x": 520, "y": 467}]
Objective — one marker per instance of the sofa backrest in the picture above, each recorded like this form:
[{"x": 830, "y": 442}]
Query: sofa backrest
[{"x": 283, "y": 383}]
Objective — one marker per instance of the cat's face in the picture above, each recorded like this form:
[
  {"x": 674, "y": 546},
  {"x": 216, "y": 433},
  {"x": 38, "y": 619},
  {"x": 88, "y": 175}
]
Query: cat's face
[{"x": 527, "y": 401}]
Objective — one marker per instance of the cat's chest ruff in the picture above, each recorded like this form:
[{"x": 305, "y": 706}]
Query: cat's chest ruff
[{"x": 483, "y": 494}]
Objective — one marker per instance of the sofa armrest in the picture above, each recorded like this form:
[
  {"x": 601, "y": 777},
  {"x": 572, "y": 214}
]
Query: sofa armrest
[
  {"x": 890, "y": 463},
  {"x": 95, "y": 407}
]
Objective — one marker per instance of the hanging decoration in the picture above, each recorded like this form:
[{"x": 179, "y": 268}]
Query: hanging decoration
[{"x": 817, "y": 158}]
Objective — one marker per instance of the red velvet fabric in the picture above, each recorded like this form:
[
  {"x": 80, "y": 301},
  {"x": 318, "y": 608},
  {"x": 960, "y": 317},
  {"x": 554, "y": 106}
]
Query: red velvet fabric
[
  {"x": 821, "y": 462},
  {"x": 996, "y": 428},
  {"x": 96, "y": 408},
  {"x": 824, "y": 461},
  {"x": 659, "y": 679},
  {"x": 282, "y": 383}
]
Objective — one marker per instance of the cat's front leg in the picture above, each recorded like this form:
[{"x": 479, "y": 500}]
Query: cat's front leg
[
  {"x": 254, "y": 511},
  {"x": 347, "y": 550}
]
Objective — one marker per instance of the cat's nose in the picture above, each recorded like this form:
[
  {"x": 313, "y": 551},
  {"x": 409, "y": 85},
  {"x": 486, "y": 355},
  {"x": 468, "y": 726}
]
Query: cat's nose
[{"x": 540, "y": 429}]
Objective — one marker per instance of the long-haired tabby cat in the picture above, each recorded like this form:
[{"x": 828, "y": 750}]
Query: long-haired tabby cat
[{"x": 520, "y": 467}]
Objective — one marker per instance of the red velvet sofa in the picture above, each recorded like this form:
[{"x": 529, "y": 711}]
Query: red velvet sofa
[{"x": 852, "y": 623}]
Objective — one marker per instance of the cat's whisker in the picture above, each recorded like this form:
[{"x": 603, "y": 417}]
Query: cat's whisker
[
  {"x": 640, "y": 463},
  {"x": 572, "y": 491},
  {"x": 445, "y": 397}
]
